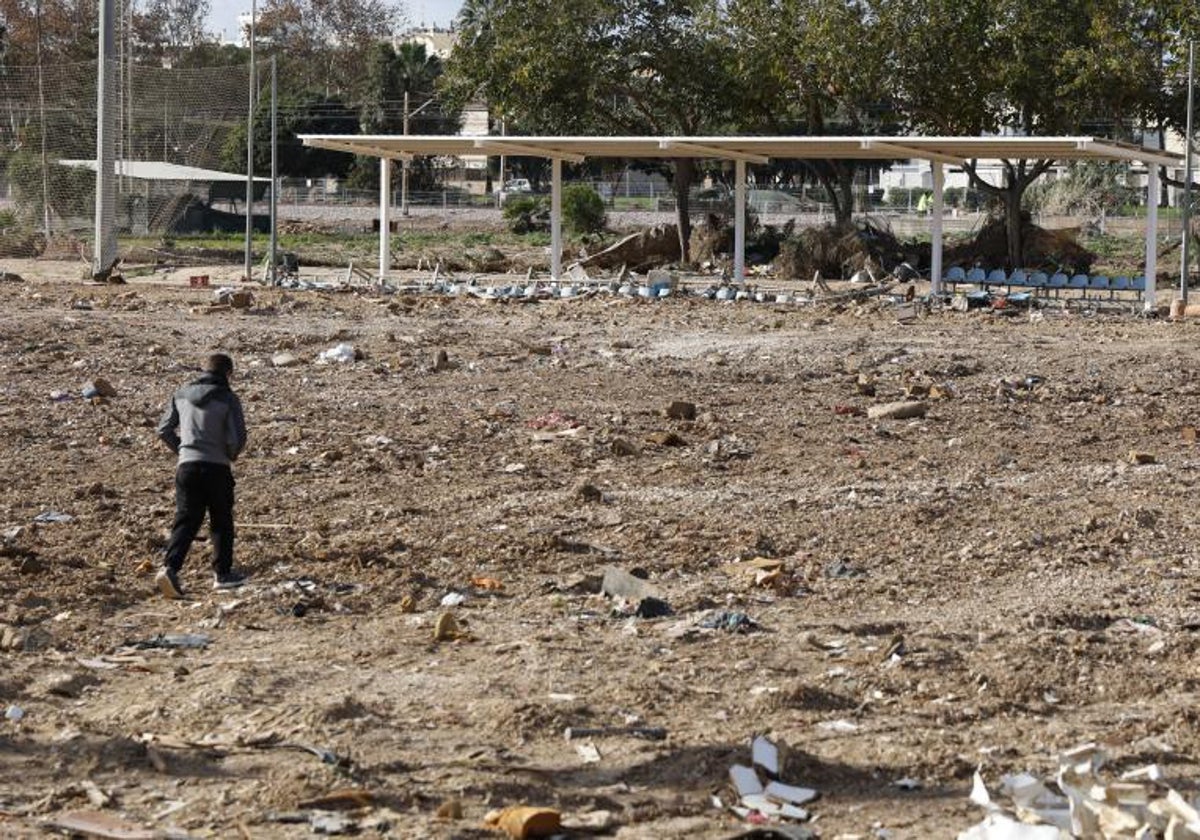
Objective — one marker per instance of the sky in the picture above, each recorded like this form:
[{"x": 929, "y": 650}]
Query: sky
[{"x": 223, "y": 18}]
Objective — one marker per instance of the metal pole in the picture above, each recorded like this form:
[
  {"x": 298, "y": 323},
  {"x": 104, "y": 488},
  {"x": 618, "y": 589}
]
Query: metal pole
[
  {"x": 935, "y": 230},
  {"x": 739, "y": 221},
  {"x": 385, "y": 217},
  {"x": 1184, "y": 262},
  {"x": 404, "y": 166},
  {"x": 556, "y": 219},
  {"x": 503, "y": 159},
  {"x": 250, "y": 152},
  {"x": 274, "y": 168},
  {"x": 1150, "y": 298},
  {"x": 105, "y": 247}
]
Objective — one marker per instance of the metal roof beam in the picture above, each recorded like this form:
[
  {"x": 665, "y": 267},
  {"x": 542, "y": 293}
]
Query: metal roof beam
[
  {"x": 703, "y": 150},
  {"x": 1111, "y": 151},
  {"x": 357, "y": 148},
  {"x": 908, "y": 152},
  {"x": 505, "y": 148}
]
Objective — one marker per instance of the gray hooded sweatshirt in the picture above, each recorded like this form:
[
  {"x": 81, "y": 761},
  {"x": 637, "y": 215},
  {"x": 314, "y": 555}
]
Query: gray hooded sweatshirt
[{"x": 204, "y": 422}]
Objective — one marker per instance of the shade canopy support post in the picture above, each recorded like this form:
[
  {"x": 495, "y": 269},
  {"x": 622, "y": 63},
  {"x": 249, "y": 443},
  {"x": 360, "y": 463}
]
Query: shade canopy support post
[
  {"x": 385, "y": 217},
  {"x": 935, "y": 230},
  {"x": 739, "y": 225},
  {"x": 1150, "y": 295},
  {"x": 556, "y": 219}
]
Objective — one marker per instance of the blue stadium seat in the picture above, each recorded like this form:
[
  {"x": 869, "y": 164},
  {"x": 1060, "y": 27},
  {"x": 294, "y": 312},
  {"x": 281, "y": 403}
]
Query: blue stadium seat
[
  {"x": 1121, "y": 284},
  {"x": 977, "y": 276},
  {"x": 996, "y": 277},
  {"x": 1018, "y": 278},
  {"x": 1058, "y": 281},
  {"x": 1078, "y": 281},
  {"x": 1099, "y": 283},
  {"x": 955, "y": 275},
  {"x": 1038, "y": 280}
]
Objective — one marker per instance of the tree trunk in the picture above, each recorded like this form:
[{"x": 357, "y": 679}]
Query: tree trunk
[
  {"x": 685, "y": 175},
  {"x": 1012, "y": 222},
  {"x": 845, "y": 185}
]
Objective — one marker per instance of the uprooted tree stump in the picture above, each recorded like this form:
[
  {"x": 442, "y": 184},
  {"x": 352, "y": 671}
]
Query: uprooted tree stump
[{"x": 650, "y": 248}]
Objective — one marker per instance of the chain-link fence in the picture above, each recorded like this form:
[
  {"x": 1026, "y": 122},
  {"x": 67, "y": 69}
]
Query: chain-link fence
[{"x": 175, "y": 131}]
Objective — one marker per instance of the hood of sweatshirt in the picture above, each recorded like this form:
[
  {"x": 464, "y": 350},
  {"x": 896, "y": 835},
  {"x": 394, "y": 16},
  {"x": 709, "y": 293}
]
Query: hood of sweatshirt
[{"x": 204, "y": 389}]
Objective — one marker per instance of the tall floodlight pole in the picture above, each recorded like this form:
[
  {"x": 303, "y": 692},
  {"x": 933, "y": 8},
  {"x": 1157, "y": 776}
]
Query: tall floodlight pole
[
  {"x": 1184, "y": 262},
  {"x": 106, "y": 234},
  {"x": 274, "y": 165},
  {"x": 250, "y": 151}
]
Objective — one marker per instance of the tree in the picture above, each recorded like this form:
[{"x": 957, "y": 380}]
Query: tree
[
  {"x": 602, "y": 67},
  {"x": 323, "y": 45},
  {"x": 166, "y": 29},
  {"x": 397, "y": 79},
  {"x": 1017, "y": 67},
  {"x": 297, "y": 114},
  {"x": 813, "y": 67}
]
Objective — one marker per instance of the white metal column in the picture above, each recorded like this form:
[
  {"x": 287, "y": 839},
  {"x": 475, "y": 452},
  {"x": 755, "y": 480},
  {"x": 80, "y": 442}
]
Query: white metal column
[
  {"x": 105, "y": 246},
  {"x": 556, "y": 219},
  {"x": 385, "y": 217},
  {"x": 739, "y": 223},
  {"x": 935, "y": 229},
  {"x": 1151, "y": 236}
]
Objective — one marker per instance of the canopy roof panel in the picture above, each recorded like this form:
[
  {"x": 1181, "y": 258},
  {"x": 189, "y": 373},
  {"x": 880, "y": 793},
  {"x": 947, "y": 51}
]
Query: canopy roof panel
[
  {"x": 750, "y": 149},
  {"x": 156, "y": 170}
]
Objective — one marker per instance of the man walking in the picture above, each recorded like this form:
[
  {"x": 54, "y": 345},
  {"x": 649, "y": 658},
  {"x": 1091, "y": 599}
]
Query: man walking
[{"x": 204, "y": 424}]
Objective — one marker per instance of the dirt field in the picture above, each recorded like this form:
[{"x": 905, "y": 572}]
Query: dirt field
[{"x": 984, "y": 586}]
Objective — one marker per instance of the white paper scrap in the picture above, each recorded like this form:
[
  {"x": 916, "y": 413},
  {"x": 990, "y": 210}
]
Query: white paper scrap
[{"x": 745, "y": 780}]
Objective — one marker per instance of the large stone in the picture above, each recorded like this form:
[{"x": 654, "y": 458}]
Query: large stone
[{"x": 897, "y": 410}]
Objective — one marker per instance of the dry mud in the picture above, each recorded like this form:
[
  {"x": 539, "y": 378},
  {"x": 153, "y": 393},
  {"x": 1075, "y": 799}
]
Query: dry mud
[{"x": 984, "y": 586}]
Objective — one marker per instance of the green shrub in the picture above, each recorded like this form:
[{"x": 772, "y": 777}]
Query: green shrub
[
  {"x": 582, "y": 209},
  {"x": 526, "y": 214}
]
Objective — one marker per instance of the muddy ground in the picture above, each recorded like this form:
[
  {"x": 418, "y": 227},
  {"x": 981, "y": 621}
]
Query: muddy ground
[{"x": 1002, "y": 579}]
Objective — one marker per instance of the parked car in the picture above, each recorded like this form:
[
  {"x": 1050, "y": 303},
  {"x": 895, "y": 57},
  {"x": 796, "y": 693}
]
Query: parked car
[{"x": 517, "y": 185}]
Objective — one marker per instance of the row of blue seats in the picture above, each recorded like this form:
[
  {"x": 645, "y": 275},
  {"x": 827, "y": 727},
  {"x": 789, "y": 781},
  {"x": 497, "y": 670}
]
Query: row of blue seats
[{"x": 1041, "y": 280}]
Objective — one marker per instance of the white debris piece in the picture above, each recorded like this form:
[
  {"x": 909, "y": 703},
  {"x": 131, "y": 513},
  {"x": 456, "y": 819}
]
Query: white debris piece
[
  {"x": 790, "y": 793},
  {"x": 1094, "y": 808},
  {"x": 765, "y": 756},
  {"x": 745, "y": 780}
]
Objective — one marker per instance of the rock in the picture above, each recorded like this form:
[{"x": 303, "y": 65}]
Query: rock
[
  {"x": 588, "y": 492},
  {"x": 442, "y": 362},
  {"x": 622, "y": 447},
  {"x": 680, "y": 410},
  {"x": 99, "y": 387},
  {"x": 1138, "y": 457},
  {"x": 64, "y": 684},
  {"x": 897, "y": 410},
  {"x": 619, "y": 583},
  {"x": 665, "y": 439},
  {"x": 285, "y": 359}
]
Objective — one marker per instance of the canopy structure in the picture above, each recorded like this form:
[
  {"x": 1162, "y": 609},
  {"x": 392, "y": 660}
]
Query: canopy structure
[{"x": 939, "y": 151}]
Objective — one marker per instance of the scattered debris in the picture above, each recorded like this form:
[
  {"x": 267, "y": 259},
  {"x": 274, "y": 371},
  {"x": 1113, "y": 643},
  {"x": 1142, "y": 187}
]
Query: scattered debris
[
  {"x": 176, "y": 641},
  {"x": 1135, "y": 805},
  {"x": 100, "y": 824},
  {"x": 897, "y": 410},
  {"x": 340, "y": 353},
  {"x": 649, "y": 733},
  {"x": 771, "y": 802},
  {"x": 521, "y": 821}
]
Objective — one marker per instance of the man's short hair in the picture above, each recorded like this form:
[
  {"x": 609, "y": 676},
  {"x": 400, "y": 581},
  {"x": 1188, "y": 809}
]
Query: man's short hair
[{"x": 219, "y": 363}]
